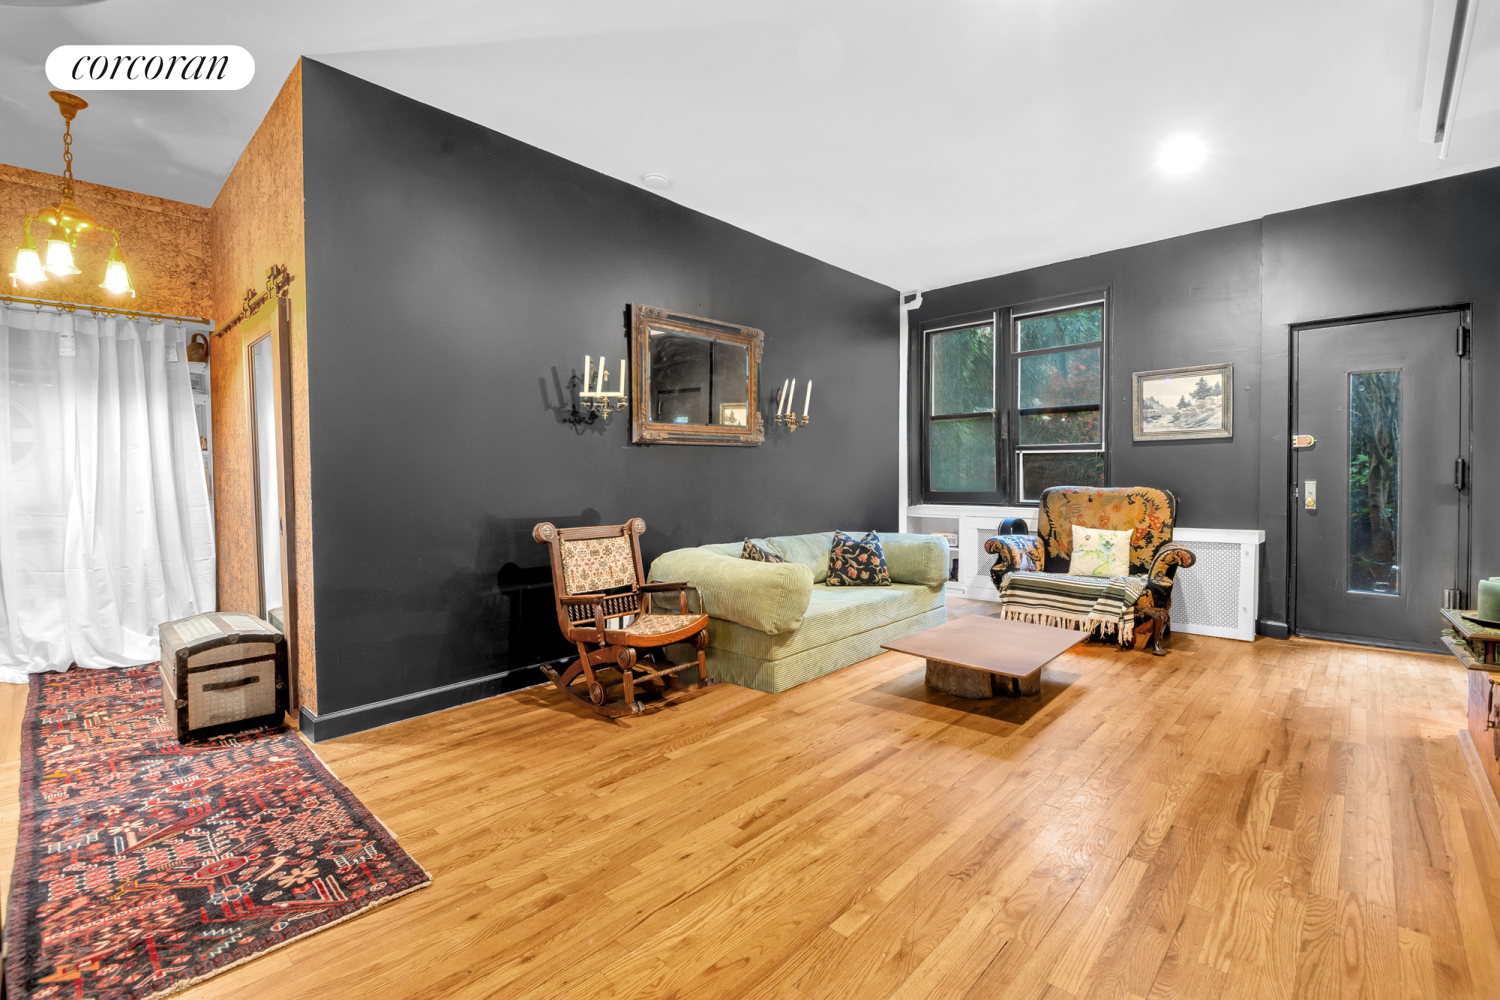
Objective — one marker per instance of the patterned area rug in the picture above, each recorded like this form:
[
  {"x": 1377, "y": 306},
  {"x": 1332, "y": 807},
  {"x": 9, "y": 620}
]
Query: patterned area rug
[{"x": 144, "y": 866}]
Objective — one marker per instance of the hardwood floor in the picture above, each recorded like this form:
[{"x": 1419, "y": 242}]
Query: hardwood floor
[{"x": 1276, "y": 819}]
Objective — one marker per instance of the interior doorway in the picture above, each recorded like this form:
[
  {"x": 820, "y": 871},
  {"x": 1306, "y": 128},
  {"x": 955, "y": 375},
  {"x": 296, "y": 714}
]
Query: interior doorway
[{"x": 1380, "y": 528}]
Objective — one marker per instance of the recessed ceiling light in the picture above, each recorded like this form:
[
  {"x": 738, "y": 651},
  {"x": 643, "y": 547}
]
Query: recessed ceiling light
[
  {"x": 656, "y": 182},
  {"x": 1181, "y": 154}
]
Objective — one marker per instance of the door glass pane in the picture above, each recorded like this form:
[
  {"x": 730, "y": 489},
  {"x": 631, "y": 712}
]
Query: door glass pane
[
  {"x": 962, "y": 363},
  {"x": 1043, "y": 469},
  {"x": 266, "y": 503},
  {"x": 1079, "y": 326},
  {"x": 1374, "y": 481},
  {"x": 1060, "y": 379},
  {"x": 961, "y": 455},
  {"x": 1060, "y": 428}
]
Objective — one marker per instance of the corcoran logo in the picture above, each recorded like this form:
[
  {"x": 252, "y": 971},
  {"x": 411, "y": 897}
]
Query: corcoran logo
[{"x": 150, "y": 67}]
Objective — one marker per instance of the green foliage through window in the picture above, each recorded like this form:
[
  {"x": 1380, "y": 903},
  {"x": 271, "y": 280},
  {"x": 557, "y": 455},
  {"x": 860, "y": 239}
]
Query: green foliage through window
[
  {"x": 1374, "y": 481},
  {"x": 961, "y": 455},
  {"x": 1077, "y": 326},
  {"x": 1044, "y": 383},
  {"x": 962, "y": 364}
]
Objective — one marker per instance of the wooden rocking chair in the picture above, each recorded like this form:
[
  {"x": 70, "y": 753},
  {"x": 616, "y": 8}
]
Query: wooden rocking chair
[{"x": 597, "y": 578}]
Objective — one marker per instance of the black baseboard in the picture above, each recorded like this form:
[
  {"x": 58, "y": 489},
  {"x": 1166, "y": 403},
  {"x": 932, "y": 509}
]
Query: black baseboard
[
  {"x": 1272, "y": 630},
  {"x": 331, "y": 725}
]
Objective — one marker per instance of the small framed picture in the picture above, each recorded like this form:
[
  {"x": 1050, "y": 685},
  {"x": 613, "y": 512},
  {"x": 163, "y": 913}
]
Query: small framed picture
[
  {"x": 1180, "y": 404},
  {"x": 734, "y": 414}
]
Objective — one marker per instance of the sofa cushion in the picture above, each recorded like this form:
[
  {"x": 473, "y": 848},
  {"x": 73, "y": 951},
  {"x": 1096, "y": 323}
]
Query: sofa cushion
[
  {"x": 1100, "y": 552},
  {"x": 811, "y": 551},
  {"x": 833, "y": 613},
  {"x": 758, "y": 552},
  {"x": 771, "y": 597},
  {"x": 857, "y": 564}
]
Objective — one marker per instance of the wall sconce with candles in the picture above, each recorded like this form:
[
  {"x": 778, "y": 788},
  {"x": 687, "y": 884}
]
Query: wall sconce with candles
[
  {"x": 597, "y": 400},
  {"x": 68, "y": 222},
  {"x": 785, "y": 411}
]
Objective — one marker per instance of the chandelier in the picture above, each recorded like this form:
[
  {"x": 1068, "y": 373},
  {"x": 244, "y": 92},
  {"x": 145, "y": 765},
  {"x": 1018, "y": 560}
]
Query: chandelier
[{"x": 68, "y": 222}]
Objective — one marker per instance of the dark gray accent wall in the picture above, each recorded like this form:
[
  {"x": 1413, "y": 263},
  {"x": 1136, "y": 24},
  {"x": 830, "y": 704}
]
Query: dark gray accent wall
[
  {"x": 456, "y": 277},
  {"x": 1188, "y": 301},
  {"x": 1233, "y": 294},
  {"x": 1434, "y": 244}
]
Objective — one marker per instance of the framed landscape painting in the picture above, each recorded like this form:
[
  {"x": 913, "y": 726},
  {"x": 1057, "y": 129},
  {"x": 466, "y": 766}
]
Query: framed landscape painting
[{"x": 1180, "y": 404}]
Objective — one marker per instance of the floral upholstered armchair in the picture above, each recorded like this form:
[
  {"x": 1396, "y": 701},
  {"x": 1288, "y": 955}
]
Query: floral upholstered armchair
[{"x": 1031, "y": 571}]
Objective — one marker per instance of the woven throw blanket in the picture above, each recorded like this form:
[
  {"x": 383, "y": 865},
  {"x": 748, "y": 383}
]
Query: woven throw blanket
[{"x": 1102, "y": 605}]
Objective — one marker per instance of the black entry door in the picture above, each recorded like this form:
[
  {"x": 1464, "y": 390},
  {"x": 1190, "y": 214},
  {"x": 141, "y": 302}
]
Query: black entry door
[{"x": 1376, "y": 506}]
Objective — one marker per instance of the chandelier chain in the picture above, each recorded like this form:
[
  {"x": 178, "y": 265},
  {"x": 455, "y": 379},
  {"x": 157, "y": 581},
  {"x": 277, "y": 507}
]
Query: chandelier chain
[{"x": 67, "y": 158}]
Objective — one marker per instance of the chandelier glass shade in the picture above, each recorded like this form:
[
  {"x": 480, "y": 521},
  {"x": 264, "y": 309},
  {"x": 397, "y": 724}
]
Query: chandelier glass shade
[{"x": 67, "y": 222}]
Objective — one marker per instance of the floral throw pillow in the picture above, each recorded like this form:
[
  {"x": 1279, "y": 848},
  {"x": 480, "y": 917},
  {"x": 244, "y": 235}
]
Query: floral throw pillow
[
  {"x": 759, "y": 553},
  {"x": 1097, "y": 552},
  {"x": 857, "y": 564}
]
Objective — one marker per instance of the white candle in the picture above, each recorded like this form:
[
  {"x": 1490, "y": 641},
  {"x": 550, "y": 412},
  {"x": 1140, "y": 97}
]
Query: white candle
[
  {"x": 789, "y": 396},
  {"x": 603, "y": 375},
  {"x": 781, "y": 402},
  {"x": 622, "y": 378},
  {"x": 807, "y": 399},
  {"x": 585, "y": 391}
]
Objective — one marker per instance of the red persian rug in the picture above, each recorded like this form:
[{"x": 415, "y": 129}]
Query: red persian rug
[{"x": 144, "y": 866}]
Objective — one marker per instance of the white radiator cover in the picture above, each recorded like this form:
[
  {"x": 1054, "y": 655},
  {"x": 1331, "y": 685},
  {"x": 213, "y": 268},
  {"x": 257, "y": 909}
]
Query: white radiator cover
[{"x": 1220, "y": 593}]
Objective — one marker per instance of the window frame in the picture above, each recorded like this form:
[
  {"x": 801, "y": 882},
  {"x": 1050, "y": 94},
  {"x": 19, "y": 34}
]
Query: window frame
[
  {"x": 1015, "y": 411},
  {"x": 1007, "y": 411},
  {"x": 993, "y": 319}
]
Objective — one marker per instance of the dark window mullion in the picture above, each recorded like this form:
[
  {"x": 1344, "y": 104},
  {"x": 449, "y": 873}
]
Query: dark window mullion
[
  {"x": 1092, "y": 345},
  {"x": 960, "y": 416},
  {"x": 1027, "y": 411}
]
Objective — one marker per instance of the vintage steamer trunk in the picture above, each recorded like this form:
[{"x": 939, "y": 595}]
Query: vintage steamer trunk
[{"x": 221, "y": 672}]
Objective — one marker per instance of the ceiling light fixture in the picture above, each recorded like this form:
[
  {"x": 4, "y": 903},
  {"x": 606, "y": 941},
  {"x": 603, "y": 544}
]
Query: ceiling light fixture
[
  {"x": 656, "y": 182},
  {"x": 67, "y": 222},
  {"x": 1181, "y": 154}
]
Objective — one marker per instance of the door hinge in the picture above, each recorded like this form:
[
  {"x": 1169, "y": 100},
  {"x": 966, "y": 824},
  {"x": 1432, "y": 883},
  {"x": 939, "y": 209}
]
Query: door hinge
[
  {"x": 1463, "y": 340},
  {"x": 1460, "y": 473}
]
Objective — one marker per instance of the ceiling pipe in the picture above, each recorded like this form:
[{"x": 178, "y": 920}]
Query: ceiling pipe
[
  {"x": 1464, "y": 40},
  {"x": 909, "y": 301}
]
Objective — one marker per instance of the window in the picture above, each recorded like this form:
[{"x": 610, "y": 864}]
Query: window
[
  {"x": 1059, "y": 365},
  {"x": 962, "y": 429},
  {"x": 1004, "y": 422}
]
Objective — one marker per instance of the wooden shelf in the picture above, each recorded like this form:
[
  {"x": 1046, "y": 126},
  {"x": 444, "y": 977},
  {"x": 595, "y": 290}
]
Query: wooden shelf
[
  {"x": 1485, "y": 637},
  {"x": 1465, "y": 656}
]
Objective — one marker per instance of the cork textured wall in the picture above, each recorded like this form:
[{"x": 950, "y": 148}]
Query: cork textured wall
[
  {"x": 257, "y": 221},
  {"x": 165, "y": 243}
]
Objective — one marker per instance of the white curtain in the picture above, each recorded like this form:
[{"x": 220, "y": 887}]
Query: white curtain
[{"x": 105, "y": 526}]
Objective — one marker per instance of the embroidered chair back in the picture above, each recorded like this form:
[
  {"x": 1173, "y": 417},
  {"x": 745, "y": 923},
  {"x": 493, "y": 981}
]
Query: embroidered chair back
[
  {"x": 1150, "y": 512},
  {"x": 595, "y": 561}
]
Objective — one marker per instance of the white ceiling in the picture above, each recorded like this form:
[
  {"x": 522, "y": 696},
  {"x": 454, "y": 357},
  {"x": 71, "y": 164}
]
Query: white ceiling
[{"x": 917, "y": 143}]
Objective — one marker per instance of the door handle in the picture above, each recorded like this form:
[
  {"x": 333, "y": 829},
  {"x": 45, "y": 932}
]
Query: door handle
[
  {"x": 1310, "y": 494},
  {"x": 1460, "y": 474}
]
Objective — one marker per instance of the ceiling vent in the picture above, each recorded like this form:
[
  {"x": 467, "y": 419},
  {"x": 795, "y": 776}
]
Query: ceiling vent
[{"x": 1447, "y": 52}]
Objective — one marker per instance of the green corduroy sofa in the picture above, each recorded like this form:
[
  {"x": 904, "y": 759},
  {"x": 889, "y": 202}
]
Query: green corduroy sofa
[{"x": 773, "y": 626}]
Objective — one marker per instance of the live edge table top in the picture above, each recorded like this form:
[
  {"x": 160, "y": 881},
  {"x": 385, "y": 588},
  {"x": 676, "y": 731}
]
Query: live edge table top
[{"x": 1013, "y": 649}]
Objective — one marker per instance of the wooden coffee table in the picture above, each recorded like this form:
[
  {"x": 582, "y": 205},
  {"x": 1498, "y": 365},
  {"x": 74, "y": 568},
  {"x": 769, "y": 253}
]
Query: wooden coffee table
[{"x": 978, "y": 656}]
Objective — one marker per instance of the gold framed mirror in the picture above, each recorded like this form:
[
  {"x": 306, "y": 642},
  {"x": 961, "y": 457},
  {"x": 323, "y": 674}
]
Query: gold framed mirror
[{"x": 695, "y": 380}]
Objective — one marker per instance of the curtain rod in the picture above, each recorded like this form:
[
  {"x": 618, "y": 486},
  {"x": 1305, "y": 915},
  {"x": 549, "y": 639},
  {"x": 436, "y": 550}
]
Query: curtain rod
[
  {"x": 278, "y": 279},
  {"x": 39, "y": 304}
]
